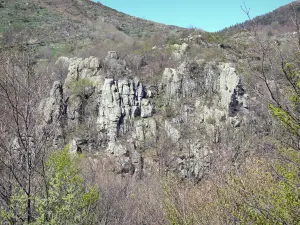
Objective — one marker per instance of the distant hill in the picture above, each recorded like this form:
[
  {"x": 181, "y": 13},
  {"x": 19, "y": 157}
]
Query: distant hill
[
  {"x": 62, "y": 20},
  {"x": 278, "y": 21},
  {"x": 89, "y": 10}
]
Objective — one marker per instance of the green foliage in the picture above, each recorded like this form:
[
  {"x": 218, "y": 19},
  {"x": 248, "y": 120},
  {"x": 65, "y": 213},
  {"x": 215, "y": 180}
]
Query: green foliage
[
  {"x": 81, "y": 87},
  {"x": 260, "y": 197},
  {"x": 174, "y": 213},
  {"x": 143, "y": 48},
  {"x": 17, "y": 207},
  {"x": 22, "y": 14},
  {"x": 65, "y": 200},
  {"x": 69, "y": 200},
  {"x": 170, "y": 48},
  {"x": 289, "y": 118},
  {"x": 267, "y": 192},
  {"x": 61, "y": 49},
  {"x": 285, "y": 118},
  {"x": 211, "y": 120},
  {"x": 173, "y": 39}
]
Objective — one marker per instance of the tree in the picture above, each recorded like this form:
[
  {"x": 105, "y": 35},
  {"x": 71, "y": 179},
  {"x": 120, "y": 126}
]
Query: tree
[
  {"x": 31, "y": 190},
  {"x": 22, "y": 148},
  {"x": 267, "y": 190},
  {"x": 65, "y": 200}
]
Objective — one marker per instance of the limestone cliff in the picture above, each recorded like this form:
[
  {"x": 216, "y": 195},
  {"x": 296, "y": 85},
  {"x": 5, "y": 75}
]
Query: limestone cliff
[{"x": 103, "y": 108}]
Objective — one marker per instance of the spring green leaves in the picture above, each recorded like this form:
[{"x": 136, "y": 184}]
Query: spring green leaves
[{"x": 63, "y": 199}]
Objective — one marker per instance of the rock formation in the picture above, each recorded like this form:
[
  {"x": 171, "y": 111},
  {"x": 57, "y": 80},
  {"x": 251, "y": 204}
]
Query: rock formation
[{"x": 103, "y": 107}]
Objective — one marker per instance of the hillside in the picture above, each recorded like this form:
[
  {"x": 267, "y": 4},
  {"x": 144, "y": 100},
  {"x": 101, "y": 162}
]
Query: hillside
[
  {"x": 73, "y": 27},
  {"x": 109, "y": 119},
  {"x": 278, "y": 21},
  {"x": 89, "y": 10},
  {"x": 62, "y": 21}
]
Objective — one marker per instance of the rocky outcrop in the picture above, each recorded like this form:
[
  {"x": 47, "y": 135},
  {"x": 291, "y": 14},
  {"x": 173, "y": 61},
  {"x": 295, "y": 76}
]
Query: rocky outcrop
[
  {"x": 179, "y": 51},
  {"x": 95, "y": 107},
  {"x": 194, "y": 162},
  {"x": 145, "y": 131},
  {"x": 206, "y": 101},
  {"x": 180, "y": 83},
  {"x": 52, "y": 109},
  {"x": 103, "y": 107},
  {"x": 233, "y": 95}
]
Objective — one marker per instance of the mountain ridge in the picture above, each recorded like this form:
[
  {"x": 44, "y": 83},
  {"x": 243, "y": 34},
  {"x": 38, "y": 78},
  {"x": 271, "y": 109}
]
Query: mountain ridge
[{"x": 278, "y": 20}]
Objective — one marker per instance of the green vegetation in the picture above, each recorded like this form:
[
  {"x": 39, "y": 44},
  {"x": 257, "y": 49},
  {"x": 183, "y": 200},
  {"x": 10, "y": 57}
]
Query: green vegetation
[
  {"x": 261, "y": 197},
  {"x": 61, "y": 49},
  {"x": 259, "y": 190},
  {"x": 143, "y": 48},
  {"x": 175, "y": 215},
  {"x": 267, "y": 191},
  {"x": 170, "y": 48},
  {"x": 81, "y": 87},
  {"x": 64, "y": 199},
  {"x": 17, "y": 15},
  {"x": 211, "y": 120},
  {"x": 218, "y": 37},
  {"x": 29, "y": 23}
]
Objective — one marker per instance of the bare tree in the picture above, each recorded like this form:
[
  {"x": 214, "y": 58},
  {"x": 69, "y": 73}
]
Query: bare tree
[{"x": 22, "y": 143}]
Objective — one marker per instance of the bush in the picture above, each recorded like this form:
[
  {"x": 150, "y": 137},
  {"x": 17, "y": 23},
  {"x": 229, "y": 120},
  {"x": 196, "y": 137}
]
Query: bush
[
  {"x": 175, "y": 215},
  {"x": 267, "y": 191},
  {"x": 211, "y": 120},
  {"x": 169, "y": 111},
  {"x": 258, "y": 196},
  {"x": 82, "y": 87},
  {"x": 64, "y": 200}
]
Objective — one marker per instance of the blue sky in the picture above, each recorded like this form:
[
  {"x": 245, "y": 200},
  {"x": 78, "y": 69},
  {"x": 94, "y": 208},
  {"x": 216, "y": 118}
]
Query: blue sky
[{"x": 210, "y": 15}]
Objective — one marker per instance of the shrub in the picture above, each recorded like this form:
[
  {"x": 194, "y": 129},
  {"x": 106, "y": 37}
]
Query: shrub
[
  {"x": 211, "y": 120},
  {"x": 173, "y": 39},
  {"x": 175, "y": 214},
  {"x": 82, "y": 87},
  {"x": 260, "y": 197},
  {"x": 270, "y": 33},
  {"x": 64, "y": 200},
  {"x": 169, "y": 111},
  {"x": 267, "y": 191}
]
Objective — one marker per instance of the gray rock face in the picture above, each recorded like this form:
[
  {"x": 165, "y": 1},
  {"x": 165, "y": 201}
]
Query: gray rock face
[
  {"x": 120, "y": 102},
  {"x": 103, "y": 107},
  {"x": 127, "y": 158},
  {"x": 207, "y": 101},
  {"x": 94, "y": 108},
  {"x": 147, "y": 109},
  {"x": 233, "y": 95},
  {"x": 52, "y": 107},
  {"x": 172, "y": 132},
  {"x": 195, "y": 162},
  {"x": 52, "y": 110},
  {"x": 179, "y": 83},
  {"x": 145, "y": 131}
]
